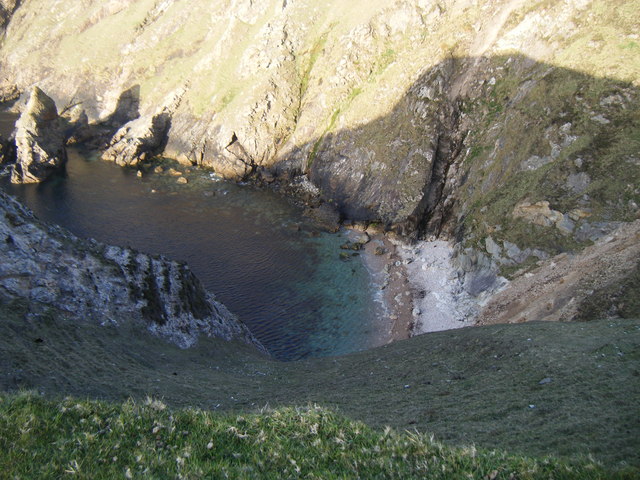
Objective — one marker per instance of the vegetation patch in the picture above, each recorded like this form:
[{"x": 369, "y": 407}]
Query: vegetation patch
[
  {"x": 41, "y": 438},
  {"x": 539, "y": 127},
  {"x": 476, "y": 386}
]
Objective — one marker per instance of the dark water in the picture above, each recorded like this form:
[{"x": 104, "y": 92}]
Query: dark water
[{"x": 251, "y": 247}]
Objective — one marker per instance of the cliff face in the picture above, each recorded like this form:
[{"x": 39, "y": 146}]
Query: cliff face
[
  {"x": 47, "y": 266},
  {"x": 512, "y": 126}
]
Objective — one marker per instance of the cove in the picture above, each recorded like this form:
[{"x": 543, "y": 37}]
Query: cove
[{"x": 250, "y": 246}]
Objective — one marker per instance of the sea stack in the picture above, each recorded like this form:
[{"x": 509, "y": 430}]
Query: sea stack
[{"x": 39, "y": 140}]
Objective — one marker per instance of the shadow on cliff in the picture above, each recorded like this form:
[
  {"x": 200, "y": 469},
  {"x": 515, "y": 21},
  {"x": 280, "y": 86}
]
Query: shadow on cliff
[
  {"x": 97, "y": 135},
  {"x": 413, "y": 169}
]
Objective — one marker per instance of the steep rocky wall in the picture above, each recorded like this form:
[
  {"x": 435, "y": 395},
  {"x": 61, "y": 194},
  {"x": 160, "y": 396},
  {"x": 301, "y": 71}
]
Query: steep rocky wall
[
  {"x": 438, "y": 119},
  {"x": 47, "y": 266}
]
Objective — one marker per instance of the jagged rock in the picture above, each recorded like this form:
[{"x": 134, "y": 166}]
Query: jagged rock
[
  {"x": 8, "y": 92},
  {"x": 138, "y": 139},
  {"x": 49, "y": 267},
  {"x": 39, "y": 140}
]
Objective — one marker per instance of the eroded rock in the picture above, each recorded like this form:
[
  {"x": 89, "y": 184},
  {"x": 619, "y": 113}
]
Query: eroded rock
[
  {"x": 39, "y": 140},
  {"x": 49, "y": 267},
  {"x": 138, "y": 139},
  {"x": 8, "y": 92}
]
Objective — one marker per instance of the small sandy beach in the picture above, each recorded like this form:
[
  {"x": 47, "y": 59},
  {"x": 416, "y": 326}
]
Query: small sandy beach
[{"x": 419, "y": 287}]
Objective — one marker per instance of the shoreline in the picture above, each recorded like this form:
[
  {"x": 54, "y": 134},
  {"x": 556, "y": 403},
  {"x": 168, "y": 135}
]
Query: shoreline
[{"x": 420, "y": 289}]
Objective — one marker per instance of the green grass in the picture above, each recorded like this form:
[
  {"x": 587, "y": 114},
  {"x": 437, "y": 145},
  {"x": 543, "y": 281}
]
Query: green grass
[
  {"x": 467, "y": 387},
  {"x": 40, "y": 438},
  {"x": 511, "y": 132}
]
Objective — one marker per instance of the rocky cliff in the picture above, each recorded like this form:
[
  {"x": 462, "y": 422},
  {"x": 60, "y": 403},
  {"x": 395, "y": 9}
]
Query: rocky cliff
[
  {"x": 46, "y": 266},
  {"x": 511, "y": 126},
  {"x": 39, "y": 140}
]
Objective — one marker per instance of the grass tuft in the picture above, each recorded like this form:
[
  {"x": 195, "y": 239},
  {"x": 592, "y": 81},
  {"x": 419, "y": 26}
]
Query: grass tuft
[{"x": 41, "y": 438}]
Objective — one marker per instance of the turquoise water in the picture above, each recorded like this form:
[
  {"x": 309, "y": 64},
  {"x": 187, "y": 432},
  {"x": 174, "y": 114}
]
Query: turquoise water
[{"x": 251, "y": 247}]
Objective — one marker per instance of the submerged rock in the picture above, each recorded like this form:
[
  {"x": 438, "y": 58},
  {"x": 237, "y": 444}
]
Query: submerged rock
[
  {"x": 47, "y": 267},
  {"x": 39, "y": 140}
]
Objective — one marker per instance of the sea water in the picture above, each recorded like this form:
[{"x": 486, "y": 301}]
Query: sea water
[{"x": 251, "y": 247}]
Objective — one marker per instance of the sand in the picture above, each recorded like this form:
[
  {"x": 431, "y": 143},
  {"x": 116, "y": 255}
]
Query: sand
[
  {"x": 419, "y": 287},
  {"x": 439, "y": 300}
]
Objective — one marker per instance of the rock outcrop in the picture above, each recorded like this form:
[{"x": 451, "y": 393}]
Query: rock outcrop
[
  {"x": 138, "y": 140},
  {"x": 8, "y": 92},
  {"x": 49, "y": 267},
  {"x": 454, "y": 120},
  {"x": 39, "y": 140}
]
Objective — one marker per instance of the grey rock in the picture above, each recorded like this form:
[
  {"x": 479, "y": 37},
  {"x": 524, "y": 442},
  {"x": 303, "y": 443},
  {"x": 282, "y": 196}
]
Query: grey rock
[
  {"x": 566, "y": 225},
  {"x": 535, "y": 162},
  {"x": 544, "y": 381},
  {"x": 39, "y": 140},
  {"x": 578, "y": 182},
  {"x": 594, "y": 231},
  {"x": 138, "y": 139},
  {"x": 47, "y": 266},
  {"x": 514, "y": 253},
  {"x": 479, "y": 282},
  {"x": 492, "y": 247}
]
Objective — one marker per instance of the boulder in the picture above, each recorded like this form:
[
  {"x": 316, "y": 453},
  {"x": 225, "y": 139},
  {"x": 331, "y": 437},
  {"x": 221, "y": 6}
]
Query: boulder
[
  {"x": 538, "y": 213},
  {"x": 39, "y": 140},
  {"x": 138, "y": 139}
]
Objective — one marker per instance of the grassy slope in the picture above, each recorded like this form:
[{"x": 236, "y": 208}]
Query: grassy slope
[
  {"x": 471, "y": 386},
  {"x": 44, "y": 439}
]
